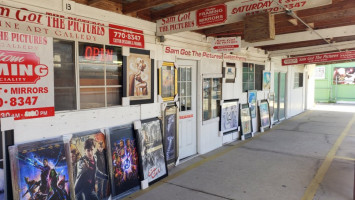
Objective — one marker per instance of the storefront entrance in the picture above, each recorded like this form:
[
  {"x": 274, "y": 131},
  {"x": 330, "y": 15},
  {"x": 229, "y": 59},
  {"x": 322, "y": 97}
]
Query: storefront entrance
[
  {"x": 187, "y": 98},
  {"x": 280, "y": 93}
]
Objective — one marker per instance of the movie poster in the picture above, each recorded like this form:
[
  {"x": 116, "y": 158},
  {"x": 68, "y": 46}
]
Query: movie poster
[
  {"x": 138, "y": 76},
  {"x": 170, "y": 126},
  {"x": 89, "y": 165},
  {"x": 151, "y": 151},
  {"x": 252, "y": 101},
  {"x": 41, "y": 171},
  {"x": 229, "y": 116},
  {"x": 344, "y": 76},
  {"x": 245, "y": 118},
  {"x": 264, "y": 114},
  {"x": 123, "y": 161}
]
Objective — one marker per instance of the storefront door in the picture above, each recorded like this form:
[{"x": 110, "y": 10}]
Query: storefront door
[{"x": 187, "y": 98}]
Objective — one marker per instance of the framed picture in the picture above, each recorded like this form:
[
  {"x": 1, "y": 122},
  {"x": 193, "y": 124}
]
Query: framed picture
[
  {"x": 123, "y": 160},
  {"x": 344, "y": 76},
  {"x": 40, "y": 169},
  {"x": 266, "y": 80},
  {"x": 245, "y": 118},
  {"x": 271, "y": 103},
  {"x": 229, "y": 116},
  {"x": 230, "y": 72},
  {"x": 150, "y": 150},
  {"x": 138, "y": 77},
  {"x": 252, "y": 101},
  {"x": 170, "y": 133},
  {"x": 88, "y": 156},
  {"x": 264, "y": 114},
  {"x": 6, "y": 139},
  {"x": 168, "y": 81}
]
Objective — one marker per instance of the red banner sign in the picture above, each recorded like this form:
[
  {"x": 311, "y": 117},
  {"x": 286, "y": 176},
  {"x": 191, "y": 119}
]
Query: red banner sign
[
  {"x": 124, "y": 36},
  {"x": 346, "y": 55},
  {"x": 211, "y": 15}
]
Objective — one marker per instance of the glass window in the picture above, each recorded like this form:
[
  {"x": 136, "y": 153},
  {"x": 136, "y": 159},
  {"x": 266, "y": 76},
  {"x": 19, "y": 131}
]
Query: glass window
[
  {"x": 298, "y": 80},
  {"x": 100, "y": 72},
  {"x": 252, "y": 76},
  {"x": 64, "y": 75},
  {"x": 212, "y": 94},
  {"x": 185, "y": 87}
]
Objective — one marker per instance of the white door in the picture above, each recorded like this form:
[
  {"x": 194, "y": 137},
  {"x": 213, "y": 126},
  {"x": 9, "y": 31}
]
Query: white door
[{"x": 187, "y": 98}]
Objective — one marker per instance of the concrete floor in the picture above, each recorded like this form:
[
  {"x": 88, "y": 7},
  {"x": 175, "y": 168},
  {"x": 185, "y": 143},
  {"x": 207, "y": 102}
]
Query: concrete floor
[{"x": 310, "y": 156}]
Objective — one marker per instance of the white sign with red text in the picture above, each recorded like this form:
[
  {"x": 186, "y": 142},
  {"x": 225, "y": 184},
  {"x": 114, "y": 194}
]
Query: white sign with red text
[
  {"x": 226, "y": 45},
  {"x": 230, "y": 12},
  {"x": 26, "y": 76},
  {"x": 69, "y": 27},
  {"x": 201, "y": 54}
]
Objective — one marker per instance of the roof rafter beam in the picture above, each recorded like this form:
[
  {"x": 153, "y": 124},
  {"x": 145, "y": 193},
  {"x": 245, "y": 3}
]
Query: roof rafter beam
[{"x": 141, "y": 5}]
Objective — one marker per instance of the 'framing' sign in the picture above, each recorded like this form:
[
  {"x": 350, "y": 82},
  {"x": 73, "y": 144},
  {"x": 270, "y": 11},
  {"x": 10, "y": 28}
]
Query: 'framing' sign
[{"x": 26, "y": 76}]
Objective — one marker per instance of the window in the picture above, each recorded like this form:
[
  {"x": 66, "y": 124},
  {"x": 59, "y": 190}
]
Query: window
[
  {"x": 252, "y": 76},
  {"x": 100, "y": 75},
  {"x": 212, "y": 93},
  {"x": 298, "y": 80},
  {"x": 185, "y": 87},
  {"x": 64, "y": 73}
]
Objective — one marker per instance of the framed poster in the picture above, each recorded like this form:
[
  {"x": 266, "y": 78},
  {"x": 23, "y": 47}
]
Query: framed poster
[
  {"x": 150, "y": 150},
  {"x": 123, "y": 160},
  {"x": 229, "y": 116},
  {"x": 264, "y": 114},
  {"x": 89, "y": 165},
  {"x": 170, "y": 133},
  {"x": 271, "y": 103},
  {"x": 6, "y": 139},
  {"x": 344, "y": 76},
  {"x": 266, "y": 80},
  {"x": 252, "y": 101},
  {"x": 230, "y": 72},
  {"x": 40, "y": 170},
  {"x": 138, "y": 77},
  {"x": 245, "y": 118},
  {"x": 168, "y": 81},
  {"x": 319, "y": 72}
]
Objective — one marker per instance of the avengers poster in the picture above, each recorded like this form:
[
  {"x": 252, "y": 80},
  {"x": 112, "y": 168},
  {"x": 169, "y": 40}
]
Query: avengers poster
[
  {"x": 124, "y": 161},
  {"x": 89, "y": 165},
  {"x": 43, "y": 171},
  {"x": 150, "y": 145}
]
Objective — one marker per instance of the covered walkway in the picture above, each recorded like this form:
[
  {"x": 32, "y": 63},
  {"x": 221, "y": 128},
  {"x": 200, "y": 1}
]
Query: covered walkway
[{"x": 310, "y": 156}]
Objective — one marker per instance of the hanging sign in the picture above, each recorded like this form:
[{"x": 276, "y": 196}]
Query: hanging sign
[
  {"x": 226, "y": 45},
  {"x": 230, "y": 12},
  {"x": 124, "y": 36},
  {"x": 26, "y": 76},
  {"x": 328, "y": 57}
]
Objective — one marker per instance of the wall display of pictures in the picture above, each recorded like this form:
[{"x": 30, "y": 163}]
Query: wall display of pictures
[
  {"x": 40, "y": 170},
  {"x": 344, "y": 76},
  {"x": 266, "y": 80},
  {"x": 168, "y": 81},
  {"x": 264, "y": 114},
  {"x": 150, "y": 150},
  {"x": 271, "y": 103},
  {"x": 170, "y": 133},
  {"x": 123, "y": 160},
  {"x": 245, "y": 118},
  {"x": 319, "y": 73},
  {"x": 229, "y": 116},
  {"x": 252, "y": 100},
  {"x": 138, "y": 76},
  {"x": 89, "y": 168},
  {"x": 230, "y": 72}
]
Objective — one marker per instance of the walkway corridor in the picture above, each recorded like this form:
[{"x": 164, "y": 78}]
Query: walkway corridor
[{"x": 310, "y": 156}]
